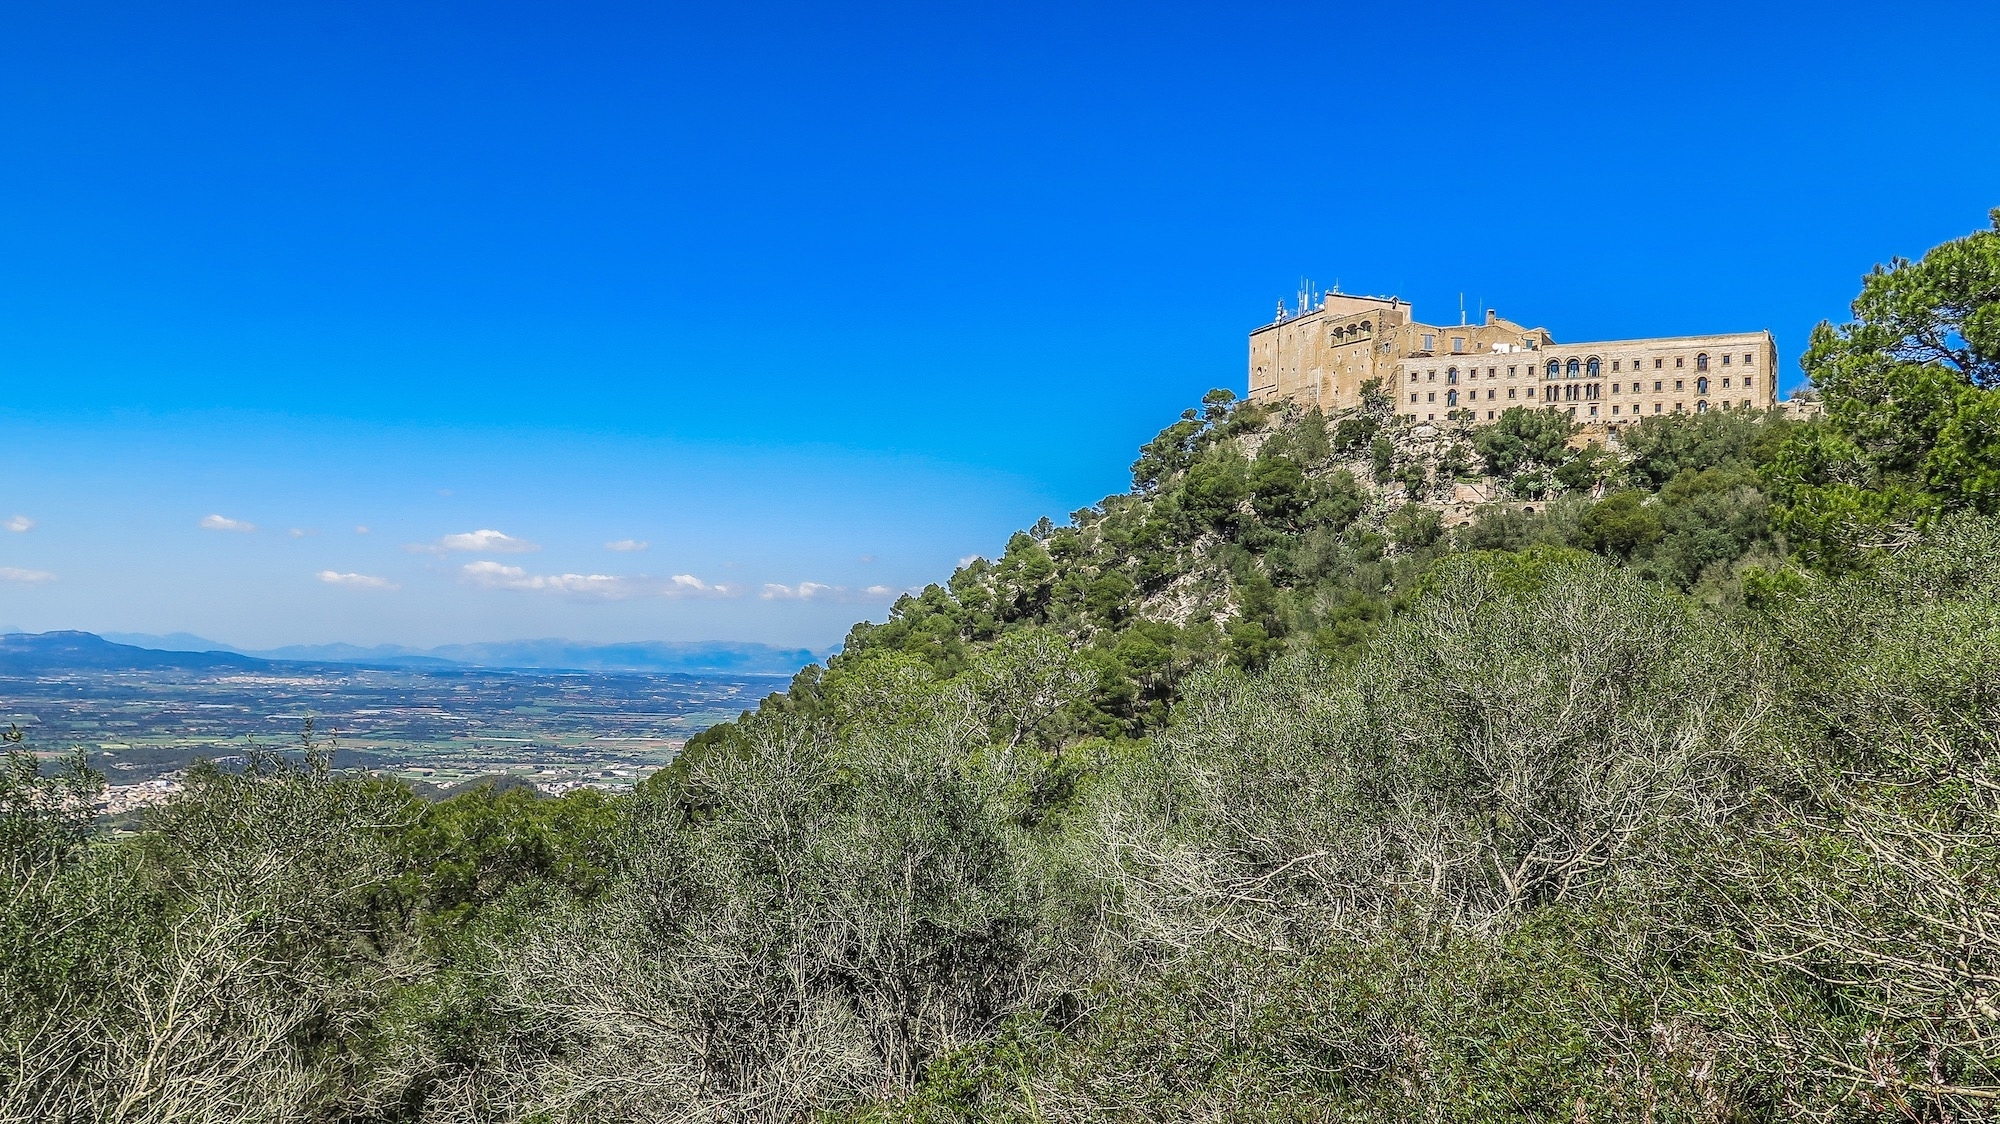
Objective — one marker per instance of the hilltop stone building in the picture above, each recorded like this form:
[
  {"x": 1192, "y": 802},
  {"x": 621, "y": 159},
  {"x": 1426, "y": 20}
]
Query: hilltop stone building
[{"x": 1323, "y": 353}]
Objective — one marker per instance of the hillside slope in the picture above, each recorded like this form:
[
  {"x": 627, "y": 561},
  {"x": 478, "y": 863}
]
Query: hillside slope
[{"x": 1253, "y": 531}]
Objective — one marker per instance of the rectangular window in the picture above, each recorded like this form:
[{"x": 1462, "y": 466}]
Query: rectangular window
[
  {"x": 1747, "y": 380},
  {"x": 1489, "y": 415},
  {"x": 1615, "y": 386},
  {"x": 1656, "y": 364},
  {"x": 1656, "y": 407},
  {"x": 1492, "y": 372},
  {"x": 1679, "y": 361},
  {"x": 1614, "y": 364},
  {"x": 1413, "y": 376},
  {"x": 1510, "y": 372},
  {"x": 1431, "y": 397},
  {"x": 1725, "y": 359},
  {"x": 1429, "y": 341},
  {"x": 1413, "y": 396},
  {"x": 1593, "y": 411},
  {"x": 1725, "y": 378},
  {"x": 1458, "y": 343},
  {"x": 1510, "y": 392},
  {"x": 1678, "y": 384},
  {"x": 1614, "y": 409},
  {"x": 1746, "y": 359},
  {"x": 1656, "y": 386}
]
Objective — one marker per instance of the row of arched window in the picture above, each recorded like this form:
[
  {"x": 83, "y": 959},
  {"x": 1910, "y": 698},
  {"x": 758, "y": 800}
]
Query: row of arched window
[{"x": 1593, "y": 367}]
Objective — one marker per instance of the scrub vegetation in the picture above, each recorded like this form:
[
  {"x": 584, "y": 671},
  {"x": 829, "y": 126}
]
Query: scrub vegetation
[{"x": 1666, "y": 788}]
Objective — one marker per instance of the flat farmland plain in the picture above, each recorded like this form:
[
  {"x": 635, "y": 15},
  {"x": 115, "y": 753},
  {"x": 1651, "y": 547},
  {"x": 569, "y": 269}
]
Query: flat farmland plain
[{"x": 556, "y": 730}]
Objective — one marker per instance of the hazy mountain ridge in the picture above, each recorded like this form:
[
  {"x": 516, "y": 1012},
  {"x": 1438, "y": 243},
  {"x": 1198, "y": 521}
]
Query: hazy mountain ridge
[
  {"x": 549, "y": 654},
  {"x": 51, "y": 651}
]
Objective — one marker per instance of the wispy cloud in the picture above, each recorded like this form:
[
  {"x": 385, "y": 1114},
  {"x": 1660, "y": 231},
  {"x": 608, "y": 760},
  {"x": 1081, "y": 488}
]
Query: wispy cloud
[
  {"x": 28, "y": 577},
  {"x": 968, "y": 560},
  {"x": 627, "y": 545},
  {"x": 224, "y": 523},
  {"x": 804, "y": 591},
  {"x": 475, "y": 542},
  {"x": 301, "y": 532},
  {"x": 356, "y": 581},
  {"x": 20, "y": 523},
  {"x": 611, "y": 587},
  {"x": 361, "y": 528},
  {"x": 493, "y": 575},
  {"x": 817, "y": 591}
]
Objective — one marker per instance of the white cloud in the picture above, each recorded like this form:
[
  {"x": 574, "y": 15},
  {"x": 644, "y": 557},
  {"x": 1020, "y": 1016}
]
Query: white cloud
[
  {"x": 687, "y": 585},
  {"x": 223, "y": 523},
  {"x": 20, "y": 523},
  {"x": 493, "y": 575},
  {"x": 496, "y": 575},
  {"x": 31, "y": 577},
  {"x": 475, "y": 542},
  {"x": 361, "y": 528},
  {"x": 804, "y": 591},
  {"x": 967, "y": 560},
  {"x": 356, "y": 581},
  {"x": 816, "y": 591},
  {"x": 627, "y": 545},
  {"x": 301, "y": 532}
]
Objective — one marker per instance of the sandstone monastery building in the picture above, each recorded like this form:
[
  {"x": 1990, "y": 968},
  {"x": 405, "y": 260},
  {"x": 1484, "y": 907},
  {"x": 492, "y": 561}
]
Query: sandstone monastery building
[{"x": 1322, "y": 353}]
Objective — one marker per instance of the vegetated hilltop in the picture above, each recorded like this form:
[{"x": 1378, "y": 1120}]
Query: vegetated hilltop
[
  {"x": 1252, "y": 531},
  {"x": 1258, "y": 793}
]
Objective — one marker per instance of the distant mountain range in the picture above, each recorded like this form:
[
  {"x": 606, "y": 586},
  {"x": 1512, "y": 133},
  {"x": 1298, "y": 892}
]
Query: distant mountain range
[
  {"x": 185, "y": 650},
  {"x": 76, "y": 651}
]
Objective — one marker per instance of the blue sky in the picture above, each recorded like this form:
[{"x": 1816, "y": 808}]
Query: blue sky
[{"x": 829, "y": 295}]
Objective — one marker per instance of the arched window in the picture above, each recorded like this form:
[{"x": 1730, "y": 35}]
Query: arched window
[
  {"x": 1555, "y": 368},
  {"x": 1366, "y": 327},
  {"x": 1451, "y": 374},
  {"x": 1701, "y": 362},
  {"x": 1451, "y": 397},
  {"x": 1573, "y": 368},
  {"x": 1701, "y": 385},
  {"x": 1593, "y": 368},
  {"x": 1701, "y": 407}
]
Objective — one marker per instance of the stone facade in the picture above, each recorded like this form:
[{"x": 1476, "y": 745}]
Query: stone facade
[{"x": 1324, "y": 354}]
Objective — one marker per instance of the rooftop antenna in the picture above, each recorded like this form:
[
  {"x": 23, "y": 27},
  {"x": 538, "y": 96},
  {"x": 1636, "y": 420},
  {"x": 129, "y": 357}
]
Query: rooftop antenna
[{"x": 1461, "y": 310}]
